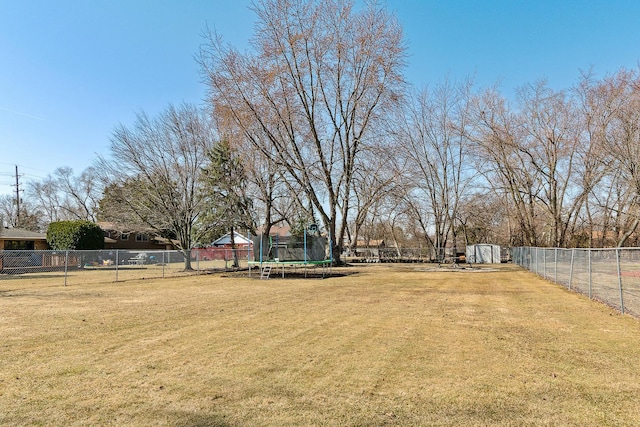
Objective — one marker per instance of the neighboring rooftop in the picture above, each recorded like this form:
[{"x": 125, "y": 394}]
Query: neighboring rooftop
[{"x": 20, "y": 234}]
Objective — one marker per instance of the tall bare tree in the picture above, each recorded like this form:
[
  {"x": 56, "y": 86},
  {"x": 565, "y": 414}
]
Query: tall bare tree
[
  {"x": 64, "y": 196},
  {"x": 374, "y": 180},
  {"x": 320, "y": 77},
  {"x": 610, "y": 157},
  {"x": 598, "y": 105},
  {"x": 551, "y": 143},
  {"x": 270, "y": 193},
  {"x": 622, "y": 137},
  {"x": 434, "y": 141},
  {"x": 155, "y": 172}
]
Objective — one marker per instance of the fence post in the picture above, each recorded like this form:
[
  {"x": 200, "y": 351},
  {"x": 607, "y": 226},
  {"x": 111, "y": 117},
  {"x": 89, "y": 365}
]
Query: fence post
[
  {"x": 619, "y": 279},
  {"x": 571, "y": 268},
  {"x": 163, "y": 263},
  {"x": 590, "y": 250},
  {"x": 66, "y": 266},
  {"x": 117, "y": 263},
  {"x": 555, "y": 265},
  {"x": 249, "y": 247}
]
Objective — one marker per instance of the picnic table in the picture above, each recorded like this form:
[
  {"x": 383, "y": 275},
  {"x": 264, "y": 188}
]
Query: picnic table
[{"x": 139, "y": 259}]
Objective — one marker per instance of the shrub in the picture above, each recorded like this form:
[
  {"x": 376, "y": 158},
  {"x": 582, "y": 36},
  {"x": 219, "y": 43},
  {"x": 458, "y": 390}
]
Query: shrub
[{"x": 75, "y": 235}]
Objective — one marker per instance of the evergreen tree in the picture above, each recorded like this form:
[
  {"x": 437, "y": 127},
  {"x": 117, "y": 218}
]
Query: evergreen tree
[{"x": 226, "y": 186}]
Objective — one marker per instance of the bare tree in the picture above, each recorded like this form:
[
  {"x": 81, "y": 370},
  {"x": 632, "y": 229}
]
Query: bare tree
[
  {"x": 483, "y": 218},
  {"x": 64, "y": 196},
  {"x": 496, "y": 136},
  {"x": 45, "y": 195},
  {"x": 271, "y": 194},
  {"x": 81, "y": 193},
  {"x": 375, "y": 178},
  {"x": 622, "y": 137},
  {"x": 156, "y": 172},
  {"x": 30, "y": 217},
  {"x": 610, "y": 156},
  {"x": 601, "y": 183},
  {"x": 434, "y": 141},
  {"x": 551, "y": 141},
  {"x": 321, "y": 76}
]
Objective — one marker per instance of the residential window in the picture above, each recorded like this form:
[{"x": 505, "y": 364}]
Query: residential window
[
  {"x": 19, "y": 245},
  {"x": 125, "y": 236},
  {"x": 141, "y": 237}
]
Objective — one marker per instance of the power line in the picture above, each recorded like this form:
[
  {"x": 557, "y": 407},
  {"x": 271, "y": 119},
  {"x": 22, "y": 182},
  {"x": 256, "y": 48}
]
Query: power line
[{"x": 23, "y": 167}]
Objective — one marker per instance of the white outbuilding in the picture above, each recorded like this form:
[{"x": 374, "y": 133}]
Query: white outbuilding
[{"x": 483, "y": 254}]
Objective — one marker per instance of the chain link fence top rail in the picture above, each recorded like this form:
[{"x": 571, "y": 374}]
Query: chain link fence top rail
[
  {"x": 99, "y": 266},
  {"x": 608, "y": 275}
]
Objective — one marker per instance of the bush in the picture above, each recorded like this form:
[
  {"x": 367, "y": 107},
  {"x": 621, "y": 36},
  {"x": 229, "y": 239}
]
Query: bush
[{"x": 75, "y": 235}]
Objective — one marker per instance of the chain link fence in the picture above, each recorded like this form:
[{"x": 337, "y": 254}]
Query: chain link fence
[
  {"x": 102, "y": 266},
  {"x": 608, "y": 275},
  {"x": 388, "y": 254}
]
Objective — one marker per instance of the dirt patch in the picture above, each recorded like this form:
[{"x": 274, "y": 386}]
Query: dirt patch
[
  {"x": 289, "y": 274},
  {"x": 459, "y": 269}
]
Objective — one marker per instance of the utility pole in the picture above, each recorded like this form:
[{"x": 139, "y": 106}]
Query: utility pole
[{"x": 17, "y": 198}]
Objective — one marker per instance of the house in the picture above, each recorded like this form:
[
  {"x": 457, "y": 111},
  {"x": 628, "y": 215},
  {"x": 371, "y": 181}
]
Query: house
[
  {"x": 16, "y": 250},
  {"x": 225, "y": 241},
  {"x": 20, "y": 239},
  {"x": 134, "y": 238}
]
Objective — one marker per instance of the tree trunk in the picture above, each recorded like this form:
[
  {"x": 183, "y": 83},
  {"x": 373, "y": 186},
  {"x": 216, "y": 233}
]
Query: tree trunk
[
  {"x": 236, "y": 261},
  {"x": 186, "y": 253}
]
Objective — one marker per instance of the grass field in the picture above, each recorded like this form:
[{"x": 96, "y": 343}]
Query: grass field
[{"x": 386, "y": 345}]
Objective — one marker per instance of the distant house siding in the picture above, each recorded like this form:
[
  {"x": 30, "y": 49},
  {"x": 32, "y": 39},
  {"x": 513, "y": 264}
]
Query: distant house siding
[{"x": 123, "y": 238}]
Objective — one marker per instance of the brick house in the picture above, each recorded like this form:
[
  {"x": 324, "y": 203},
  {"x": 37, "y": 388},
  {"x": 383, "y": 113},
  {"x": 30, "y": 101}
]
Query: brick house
[
  {"x": 132, "y": 238},
  {"x": 19, "y": 239}
]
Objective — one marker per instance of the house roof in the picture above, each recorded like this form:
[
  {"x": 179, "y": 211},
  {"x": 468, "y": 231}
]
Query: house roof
[
  {"x": 20, "y": 234},
  {"x": 238, "y": 239},
  {"x": 277, "y": 230},
  {"x": 123, "y": 228}
]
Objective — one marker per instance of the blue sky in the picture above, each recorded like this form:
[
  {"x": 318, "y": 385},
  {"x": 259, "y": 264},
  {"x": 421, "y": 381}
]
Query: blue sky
[{"x": 72, "y": 70}]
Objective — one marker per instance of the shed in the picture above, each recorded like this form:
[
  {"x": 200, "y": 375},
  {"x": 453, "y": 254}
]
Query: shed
[{"x": 483, "y": 254}]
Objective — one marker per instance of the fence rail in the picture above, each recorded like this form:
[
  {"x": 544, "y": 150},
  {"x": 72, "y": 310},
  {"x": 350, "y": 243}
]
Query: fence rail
[
  {"x": 609, "y": 275},
  {"x": 114, "y": 265}
]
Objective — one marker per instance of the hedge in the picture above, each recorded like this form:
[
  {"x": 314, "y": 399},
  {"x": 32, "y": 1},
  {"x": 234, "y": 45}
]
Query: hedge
[{"x": 75, "y": 235}]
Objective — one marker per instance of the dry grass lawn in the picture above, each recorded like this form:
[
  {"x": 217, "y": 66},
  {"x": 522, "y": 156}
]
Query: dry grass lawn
[{"x": 389, "y": 345}]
